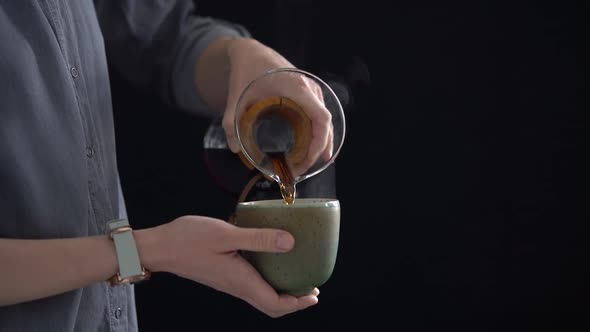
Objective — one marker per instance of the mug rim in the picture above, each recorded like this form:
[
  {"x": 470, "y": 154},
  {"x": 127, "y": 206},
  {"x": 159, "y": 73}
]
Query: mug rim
[{"x": 299, "y": 203}]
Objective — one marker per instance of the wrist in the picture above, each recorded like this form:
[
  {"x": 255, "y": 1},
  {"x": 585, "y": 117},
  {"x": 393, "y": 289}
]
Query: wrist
[
  {"x": 254, "y": 56},
  {"x": 152, "y": 252},
  {"x": 234, "y": 46},
  {"x": 237, "y": 48}
]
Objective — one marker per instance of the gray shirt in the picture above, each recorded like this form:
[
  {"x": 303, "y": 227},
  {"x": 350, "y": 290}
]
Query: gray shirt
[{"x": 58, "y": 167}]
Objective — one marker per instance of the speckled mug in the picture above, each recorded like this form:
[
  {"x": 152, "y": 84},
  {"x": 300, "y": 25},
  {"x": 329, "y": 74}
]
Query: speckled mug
[{"x": 315, "y": 225}]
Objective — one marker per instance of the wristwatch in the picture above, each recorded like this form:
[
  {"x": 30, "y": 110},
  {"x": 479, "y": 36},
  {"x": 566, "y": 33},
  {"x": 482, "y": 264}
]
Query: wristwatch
[{"x": 130, "y": 269}]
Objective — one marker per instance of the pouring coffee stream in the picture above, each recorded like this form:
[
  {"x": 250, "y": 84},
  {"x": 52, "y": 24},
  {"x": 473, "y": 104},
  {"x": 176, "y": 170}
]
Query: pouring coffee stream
[{"x": 286, "y": 180}]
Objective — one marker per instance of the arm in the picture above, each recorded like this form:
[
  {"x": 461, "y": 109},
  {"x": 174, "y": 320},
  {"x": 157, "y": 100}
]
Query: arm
[
  {"x": 199, "y": 64},
  {"x": 33, "y": 269},
  {"x": 201, "y": 249},
  {"x": 154, "y": 45}
]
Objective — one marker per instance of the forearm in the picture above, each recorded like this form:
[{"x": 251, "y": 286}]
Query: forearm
[{"x": 34, "y": 269}]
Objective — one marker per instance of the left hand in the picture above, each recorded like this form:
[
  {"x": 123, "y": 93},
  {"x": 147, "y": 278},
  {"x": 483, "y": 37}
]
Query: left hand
[
  {"x": 206, "y": 250},
  {"x": 250, "y": 59}
]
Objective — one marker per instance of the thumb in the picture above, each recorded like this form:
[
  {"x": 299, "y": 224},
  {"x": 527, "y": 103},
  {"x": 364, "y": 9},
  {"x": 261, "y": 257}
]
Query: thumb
[{"x": 262, "y": 239}]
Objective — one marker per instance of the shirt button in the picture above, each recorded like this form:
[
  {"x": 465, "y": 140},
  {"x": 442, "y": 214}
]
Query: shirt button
[
  {"x": 118, "y": 313},
  {"x": 74, "y": 72},
  {"x": 89, "y": 152}
]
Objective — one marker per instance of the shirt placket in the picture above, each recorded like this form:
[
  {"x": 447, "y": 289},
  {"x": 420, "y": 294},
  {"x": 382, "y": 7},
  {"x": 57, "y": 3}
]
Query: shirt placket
[
  {"x": 68, "y": 46},
  {"x": 100, "y": 209}
]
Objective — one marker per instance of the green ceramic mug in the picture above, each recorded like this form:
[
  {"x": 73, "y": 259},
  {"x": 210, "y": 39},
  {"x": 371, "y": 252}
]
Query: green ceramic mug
[{"x": 315, "y": 225}]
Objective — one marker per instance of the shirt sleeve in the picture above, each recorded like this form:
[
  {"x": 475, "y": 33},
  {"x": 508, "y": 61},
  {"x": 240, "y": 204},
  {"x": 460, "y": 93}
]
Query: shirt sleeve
[{"x": 154, "y": 44}]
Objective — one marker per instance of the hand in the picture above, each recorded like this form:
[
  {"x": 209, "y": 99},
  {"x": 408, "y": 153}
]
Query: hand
[
  {"x": 205, "y": 250},
  {"x": 250, "y": 59}
]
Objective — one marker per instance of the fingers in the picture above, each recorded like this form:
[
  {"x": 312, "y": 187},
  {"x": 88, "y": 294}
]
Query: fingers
[
  {"x": 330, "y": 147},
  {"x": 321, "y": 121},
  {"x": 322, "y": 129},
  {"x": 318, "y": 92},
  {"x": 292, "y": 304},
  {"x": 315, "y": 292},
  {"x": 259, "y": 239},
  {"x": 279, "y": 305},
  {"x": 321, "y": 138},
  {"x": 258, "y": 293}
]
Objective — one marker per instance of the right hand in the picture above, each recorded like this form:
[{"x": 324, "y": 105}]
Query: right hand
[
  {"x": 206, "y": 250},
  {"x": 249, "y": 59}
]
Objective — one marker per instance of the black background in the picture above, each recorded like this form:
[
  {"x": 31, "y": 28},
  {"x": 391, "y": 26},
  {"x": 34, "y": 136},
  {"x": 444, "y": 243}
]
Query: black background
[{"x": 462, "y": 178}]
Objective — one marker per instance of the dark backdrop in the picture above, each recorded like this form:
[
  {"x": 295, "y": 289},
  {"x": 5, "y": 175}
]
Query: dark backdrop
[{"x": 462, "y": 178}]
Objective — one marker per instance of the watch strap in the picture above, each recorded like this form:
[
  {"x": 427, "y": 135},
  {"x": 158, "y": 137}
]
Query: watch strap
[{"x": 130, "y": 268}]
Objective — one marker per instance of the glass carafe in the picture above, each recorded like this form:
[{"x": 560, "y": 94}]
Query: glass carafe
[{"x": 269, "y": 123}]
